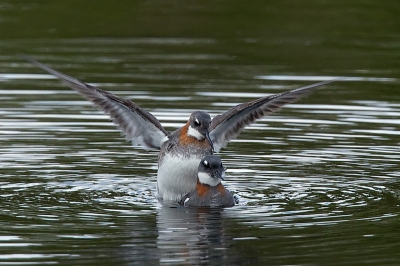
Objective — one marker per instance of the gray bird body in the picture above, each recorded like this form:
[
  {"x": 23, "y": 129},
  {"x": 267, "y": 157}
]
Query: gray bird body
[
  {"x": 181, "y": 150},
  {"x": 209, "y": 191},
  {"x": 215, "y": 197}
]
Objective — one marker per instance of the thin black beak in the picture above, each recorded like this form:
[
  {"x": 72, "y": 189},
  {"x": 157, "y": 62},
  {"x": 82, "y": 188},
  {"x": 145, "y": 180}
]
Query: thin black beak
[
  {"x": 218, "y": 174},
  {"x": 207, "y": 135},
  {"x": 221, "y": 175}
]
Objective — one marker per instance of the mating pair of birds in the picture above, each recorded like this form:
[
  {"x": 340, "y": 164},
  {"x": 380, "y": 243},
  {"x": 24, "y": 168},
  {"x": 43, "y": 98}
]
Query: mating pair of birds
[{"x": 188, "y": 172}]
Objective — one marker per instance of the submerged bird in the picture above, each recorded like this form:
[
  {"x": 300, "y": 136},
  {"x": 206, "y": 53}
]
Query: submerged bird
[
  {"x": 180, "y": 150},
  {"x": 209, "y": 191}
]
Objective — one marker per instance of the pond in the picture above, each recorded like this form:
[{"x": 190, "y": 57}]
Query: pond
[{"x": 318, "y": 181}]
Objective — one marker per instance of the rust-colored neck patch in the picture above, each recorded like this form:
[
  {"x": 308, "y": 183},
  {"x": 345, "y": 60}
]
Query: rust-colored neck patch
[
  {"x": 186, "y": 140},
  {"x": 203, "y": 189}
]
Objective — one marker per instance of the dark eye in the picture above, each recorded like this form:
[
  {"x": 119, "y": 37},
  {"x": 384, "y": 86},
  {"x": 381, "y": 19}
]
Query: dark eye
[{"x": 196, "y": 122}]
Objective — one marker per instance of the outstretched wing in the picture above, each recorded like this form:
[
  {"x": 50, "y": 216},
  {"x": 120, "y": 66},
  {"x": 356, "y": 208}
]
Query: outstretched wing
[
  {"x": 228, "y": 125},
  {"x": 137, "y": 124}
]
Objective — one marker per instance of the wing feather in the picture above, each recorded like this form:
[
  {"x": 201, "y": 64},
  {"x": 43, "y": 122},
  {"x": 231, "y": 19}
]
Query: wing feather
[
  {"x": 228, "y": 125},
  {"x": 136, "y": 124}
]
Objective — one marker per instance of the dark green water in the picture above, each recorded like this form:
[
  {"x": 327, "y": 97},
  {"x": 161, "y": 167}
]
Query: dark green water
[{"x": 318, "y": 181}]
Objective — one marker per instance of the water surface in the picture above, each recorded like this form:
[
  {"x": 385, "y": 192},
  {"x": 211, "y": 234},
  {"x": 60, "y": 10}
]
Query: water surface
[{"x": 318, "y": 182}]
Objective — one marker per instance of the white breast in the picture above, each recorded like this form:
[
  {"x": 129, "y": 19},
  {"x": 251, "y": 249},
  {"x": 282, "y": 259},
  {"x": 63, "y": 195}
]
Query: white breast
[{"x": 177, "y": 175}]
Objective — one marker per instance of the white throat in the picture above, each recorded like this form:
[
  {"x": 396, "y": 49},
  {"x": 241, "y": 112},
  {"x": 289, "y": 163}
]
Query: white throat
[
  {"x": 204, "y": 178},
  {"x": 194, "y": 133}
]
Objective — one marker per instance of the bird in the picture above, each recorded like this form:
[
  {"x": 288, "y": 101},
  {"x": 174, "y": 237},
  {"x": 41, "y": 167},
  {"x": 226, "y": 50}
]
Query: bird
[
  {"x": 180, "y": 151},
  {"x": 209, "y": 191}
]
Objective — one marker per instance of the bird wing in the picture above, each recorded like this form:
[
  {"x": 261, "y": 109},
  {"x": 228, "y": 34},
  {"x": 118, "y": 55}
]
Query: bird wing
[
  {"x": 136, "y": 124},
  {"x": 227, "y": 126}
]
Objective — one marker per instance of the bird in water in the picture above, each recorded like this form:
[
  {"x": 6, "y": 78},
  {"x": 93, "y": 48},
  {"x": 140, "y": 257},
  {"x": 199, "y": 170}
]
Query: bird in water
[
  {"x": 209, "y": 191},
  {"x": 183, "y": 149}
]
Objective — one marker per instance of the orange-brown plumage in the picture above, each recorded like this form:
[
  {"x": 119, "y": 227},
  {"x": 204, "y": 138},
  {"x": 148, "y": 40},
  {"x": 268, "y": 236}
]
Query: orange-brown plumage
[
  {"x": 186, "y": 139},
  {"x": 201, "y": 189},
  {"x": 204, "y": 189}
]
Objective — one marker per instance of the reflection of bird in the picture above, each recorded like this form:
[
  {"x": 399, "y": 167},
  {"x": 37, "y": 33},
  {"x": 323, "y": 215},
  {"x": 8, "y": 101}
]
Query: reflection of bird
[
  {"x": 181, "y": 150},
  {"x": 209, "y": 191},
  {"x": 192, "y": 236}
]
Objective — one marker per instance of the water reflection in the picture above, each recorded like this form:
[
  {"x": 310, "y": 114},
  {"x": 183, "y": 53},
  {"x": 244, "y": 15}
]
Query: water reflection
[{"x": 191, "y": 235}]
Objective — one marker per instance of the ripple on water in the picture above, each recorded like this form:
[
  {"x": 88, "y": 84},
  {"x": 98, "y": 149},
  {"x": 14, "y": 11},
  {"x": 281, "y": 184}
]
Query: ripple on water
[{"x": 71, "y": 176}]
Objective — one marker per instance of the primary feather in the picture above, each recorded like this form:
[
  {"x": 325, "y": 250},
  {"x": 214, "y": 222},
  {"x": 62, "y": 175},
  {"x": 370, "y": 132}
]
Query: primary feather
[
  {"x": 228, "y": 125},
  {"x": 137, "y": 124}
]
